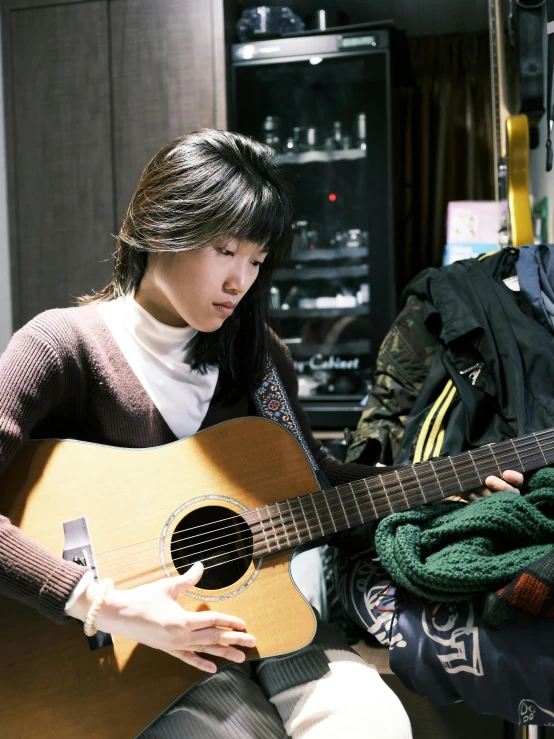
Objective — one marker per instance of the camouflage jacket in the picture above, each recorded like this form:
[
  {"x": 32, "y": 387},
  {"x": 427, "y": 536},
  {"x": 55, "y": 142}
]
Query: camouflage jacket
[{"x": 401, "y": 368}]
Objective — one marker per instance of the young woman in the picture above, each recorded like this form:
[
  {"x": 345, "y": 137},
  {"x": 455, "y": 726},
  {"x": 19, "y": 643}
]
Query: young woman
[{"x": 176, "y": 343}]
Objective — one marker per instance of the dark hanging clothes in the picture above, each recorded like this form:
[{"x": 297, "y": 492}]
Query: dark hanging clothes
[{"x": 498, "y": 356}]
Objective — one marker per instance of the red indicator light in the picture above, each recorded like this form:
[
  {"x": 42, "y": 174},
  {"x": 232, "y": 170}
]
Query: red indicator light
[{"x": 332, "y": 197}]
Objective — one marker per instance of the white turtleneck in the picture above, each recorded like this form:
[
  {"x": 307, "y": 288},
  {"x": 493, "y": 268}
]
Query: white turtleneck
[{"x": 156, "y": 354}]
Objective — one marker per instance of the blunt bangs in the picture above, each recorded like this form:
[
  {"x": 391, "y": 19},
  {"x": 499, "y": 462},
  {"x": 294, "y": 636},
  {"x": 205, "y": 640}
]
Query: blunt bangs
[{"x": 224, "y": 185}]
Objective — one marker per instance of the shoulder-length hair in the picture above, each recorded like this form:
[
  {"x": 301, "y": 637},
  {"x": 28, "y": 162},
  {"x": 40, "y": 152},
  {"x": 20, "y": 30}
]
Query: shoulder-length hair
[{"x": 199, "y": 190}]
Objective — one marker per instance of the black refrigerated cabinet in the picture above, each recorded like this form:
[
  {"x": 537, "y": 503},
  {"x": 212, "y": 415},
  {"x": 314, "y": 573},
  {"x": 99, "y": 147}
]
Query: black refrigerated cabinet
[{"x": 325, "y": 104}]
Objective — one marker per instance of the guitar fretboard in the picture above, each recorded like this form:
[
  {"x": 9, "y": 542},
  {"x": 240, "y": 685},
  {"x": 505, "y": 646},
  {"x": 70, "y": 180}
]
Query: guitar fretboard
[{"x": 300, "y": 520}]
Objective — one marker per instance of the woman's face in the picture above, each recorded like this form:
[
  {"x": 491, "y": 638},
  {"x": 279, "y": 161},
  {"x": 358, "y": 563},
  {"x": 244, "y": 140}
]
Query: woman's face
[{"x": 199, "y": 288}]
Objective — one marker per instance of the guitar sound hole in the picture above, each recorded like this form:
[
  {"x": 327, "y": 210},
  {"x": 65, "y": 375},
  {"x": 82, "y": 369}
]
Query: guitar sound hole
[{"x": 217, "y": 537}]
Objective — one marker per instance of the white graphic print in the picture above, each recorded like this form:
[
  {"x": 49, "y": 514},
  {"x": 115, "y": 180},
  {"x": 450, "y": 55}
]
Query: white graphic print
[
  {"x": 531, "y": 713},
  {"x": 449, "y": 627},
  {"x": 358, "y": 580}
]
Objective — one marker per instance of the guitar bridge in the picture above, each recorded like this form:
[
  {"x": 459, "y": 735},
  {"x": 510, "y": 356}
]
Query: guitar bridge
[{"x": 78, "y": 548}]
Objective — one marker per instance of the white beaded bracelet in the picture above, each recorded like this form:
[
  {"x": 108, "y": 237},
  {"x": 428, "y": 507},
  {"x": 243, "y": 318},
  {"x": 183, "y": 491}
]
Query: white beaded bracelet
[{"x": 88, "y": 626}]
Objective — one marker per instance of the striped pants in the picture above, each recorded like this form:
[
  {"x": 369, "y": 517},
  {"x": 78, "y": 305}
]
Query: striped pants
[{"x": 323, "y": 691}]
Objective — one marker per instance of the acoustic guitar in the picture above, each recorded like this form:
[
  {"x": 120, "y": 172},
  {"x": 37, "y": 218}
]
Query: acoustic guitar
[{"x": 239, "y": 497}]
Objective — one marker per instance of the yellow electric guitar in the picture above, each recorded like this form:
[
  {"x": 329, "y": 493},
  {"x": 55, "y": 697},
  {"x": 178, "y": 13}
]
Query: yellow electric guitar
[
  {"x": 517, "y": 34},
  {"x": 240, "y": 497}
]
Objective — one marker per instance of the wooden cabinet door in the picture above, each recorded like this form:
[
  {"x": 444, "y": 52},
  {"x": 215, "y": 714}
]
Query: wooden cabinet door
[
  {"x": 59, "y": 152},
  {"x": 168, "y": 78}
]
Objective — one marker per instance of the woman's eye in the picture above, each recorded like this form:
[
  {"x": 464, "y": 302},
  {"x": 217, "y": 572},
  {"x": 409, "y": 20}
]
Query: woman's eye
[
  {"x": 257, "y": 264},
  {"x": 227, "y": 252}
]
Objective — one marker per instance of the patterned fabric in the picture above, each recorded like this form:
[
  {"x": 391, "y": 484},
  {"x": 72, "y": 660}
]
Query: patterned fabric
[
  {"x": 272, "y": 402},
  {"x": 447, "y": 653},
  {"x": 403, "y": 362},
  {"x": 528, "y": 598}
]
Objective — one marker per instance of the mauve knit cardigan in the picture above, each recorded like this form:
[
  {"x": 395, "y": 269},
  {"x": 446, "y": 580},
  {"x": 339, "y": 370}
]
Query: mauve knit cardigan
[{"x": 64, "y": 376}]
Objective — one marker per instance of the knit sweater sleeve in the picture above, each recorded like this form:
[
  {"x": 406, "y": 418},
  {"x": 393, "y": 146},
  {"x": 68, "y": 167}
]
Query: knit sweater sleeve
[
  {"x": 337, "y": 472},
  {"x": 31, "y": 381}
]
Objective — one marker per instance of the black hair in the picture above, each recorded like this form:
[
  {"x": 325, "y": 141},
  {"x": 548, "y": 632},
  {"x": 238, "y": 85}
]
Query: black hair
[{"x": 199, "y": 190}]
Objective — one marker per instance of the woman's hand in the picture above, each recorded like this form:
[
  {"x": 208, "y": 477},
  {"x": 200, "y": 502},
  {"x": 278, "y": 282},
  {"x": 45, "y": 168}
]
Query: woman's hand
[
  {"x": 151, "y": 615},
  {"x": 511, "y": 481}
]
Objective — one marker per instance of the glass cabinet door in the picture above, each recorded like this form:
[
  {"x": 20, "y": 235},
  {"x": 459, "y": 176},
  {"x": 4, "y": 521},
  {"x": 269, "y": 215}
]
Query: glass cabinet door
[{"x": 327, "y": 118}]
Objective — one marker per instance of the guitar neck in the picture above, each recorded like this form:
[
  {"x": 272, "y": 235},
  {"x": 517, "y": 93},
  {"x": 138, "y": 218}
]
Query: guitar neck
[{"x": 301, "y": 520}]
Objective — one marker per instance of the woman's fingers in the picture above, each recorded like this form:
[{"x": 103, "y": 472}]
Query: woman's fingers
[
  {"x": 193, "y": 659},
  {"x": 221, "y": 636},
  {"x": 233, "y": 655},
  {"x": 516, "y": 478},
  {"x": 181, "y": 583},
  {"x": 512, "y": 480},
  {"x": 213, "y": 619}
]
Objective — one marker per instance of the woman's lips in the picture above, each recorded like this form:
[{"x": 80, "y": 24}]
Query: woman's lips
[{"x": 225, "y": 308}]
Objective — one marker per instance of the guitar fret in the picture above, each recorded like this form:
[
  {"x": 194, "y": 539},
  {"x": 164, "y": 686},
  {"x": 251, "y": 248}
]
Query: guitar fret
[
  {"x": 267, "y": 542},
  {"x": 305, "y": 517},
  {"x": 457, "y": 478},
  {"x": 386, "y": 496},
  {"x": 518, "y": 457},
  {"x": 437, "y": 477},
  {"x": 318, "y": 518},
  {"x": 420, "y": 485},
  {"x": 370, "y": 496},
  {"x": 330, "y": 514},
  {"x": 356, "y": 502},
  {"x": 540, "y": 449},
  {"x": 488, "y": 448},
  {"x": 402, "y": 488},
  {"x": 294, "y": 522},
  {"x": 467, "y": 472},
  {"x": 475, "y": 466},
  {"x": 270, "y": 518},
  {"x": 283, "y": 524},
  {"x": 344, "y": 511}
]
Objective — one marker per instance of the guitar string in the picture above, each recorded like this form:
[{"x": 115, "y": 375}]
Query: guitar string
[
  {"x": 249, "y": 552},
  {"x": 400, "y": 492},
  {"x": 278, "y": 537},
  {"x": 396, "y": 488},
  {"x": 395, "y": 492}
]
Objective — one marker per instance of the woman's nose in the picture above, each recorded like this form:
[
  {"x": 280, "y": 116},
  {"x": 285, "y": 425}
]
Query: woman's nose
[{"x": 237, "y": 281}]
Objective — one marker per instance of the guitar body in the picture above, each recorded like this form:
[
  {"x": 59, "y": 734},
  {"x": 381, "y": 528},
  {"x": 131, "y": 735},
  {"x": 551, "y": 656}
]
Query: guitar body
[{"x": 53, "y": 685}]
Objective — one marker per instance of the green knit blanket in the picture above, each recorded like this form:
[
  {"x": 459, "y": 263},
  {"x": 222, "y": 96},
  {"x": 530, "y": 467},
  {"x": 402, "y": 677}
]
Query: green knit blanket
[{"x": 454, "y": 551}]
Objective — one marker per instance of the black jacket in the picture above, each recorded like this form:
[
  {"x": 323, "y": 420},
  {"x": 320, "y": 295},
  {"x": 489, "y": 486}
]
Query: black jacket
[{"x": 465, "y": 364}]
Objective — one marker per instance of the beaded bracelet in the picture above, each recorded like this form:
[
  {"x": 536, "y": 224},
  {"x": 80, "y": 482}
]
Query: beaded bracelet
[{"x": 88, "y": 626}]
